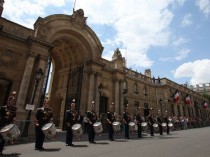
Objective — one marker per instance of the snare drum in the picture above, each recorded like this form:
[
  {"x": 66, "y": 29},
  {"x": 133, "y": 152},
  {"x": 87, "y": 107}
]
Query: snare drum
[
  {"x": 116, "y": 126},
  {"x": 164, "y": 125},
  {"x": 10, "y": 132},
  {"x": 77, "y": 129},
  {"x": 144, "y": 126},
  {"x": 49, "y": 130},
  {"x": 156, "y": 128},
  {"x": 132, "y": 126},
  {"x": 170, "y": 125},
  {"x": 98, "y": 127}
]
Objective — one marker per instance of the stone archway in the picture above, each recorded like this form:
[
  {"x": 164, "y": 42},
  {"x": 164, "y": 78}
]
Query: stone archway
[{"x": 74, "y": 43}]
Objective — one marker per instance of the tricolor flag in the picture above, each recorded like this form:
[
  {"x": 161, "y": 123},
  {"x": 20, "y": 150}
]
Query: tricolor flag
[
  {"x": 176, "y": 96},
  {"x": 187, "y": 100},
  {"x": 205, "y": 105}
]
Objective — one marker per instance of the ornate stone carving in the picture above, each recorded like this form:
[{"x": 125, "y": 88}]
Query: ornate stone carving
[
  {"x": 78, "y": 18},
  {"x": 117, "y": 54}
]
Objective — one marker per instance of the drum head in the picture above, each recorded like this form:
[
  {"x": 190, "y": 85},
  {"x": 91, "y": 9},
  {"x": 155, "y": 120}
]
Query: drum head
[
  {"x": 116, "y": 123},
  {"x": 155, "y": 125},
  {"x": 47, "y": 126},
  {"x": 170, "y": 124},
  {"x": 131, "y": 124},
  {"x": 144, "y": 124},
  {"x": 163, "y": 124},
  {"x": 76, "y": 126},
  {"x": 6, "y": 128},
  {"x": 97, "y": 124}
]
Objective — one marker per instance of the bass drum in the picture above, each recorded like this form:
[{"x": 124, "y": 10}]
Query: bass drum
[
  {"x": 116, "y": 126},
  {"x": 156, "y": 128},
  {"x": 77, "y": 129},
  {"x": 10, "y": 132},
  {"x": 49, "y": 130},
  {"x": 144, "y": 126},
  {"x": 97, "y": 127}
]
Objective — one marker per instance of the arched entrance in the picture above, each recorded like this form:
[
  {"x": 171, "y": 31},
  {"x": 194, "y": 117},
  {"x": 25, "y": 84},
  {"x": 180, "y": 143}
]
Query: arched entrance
[{"x": 74, "y": 44}]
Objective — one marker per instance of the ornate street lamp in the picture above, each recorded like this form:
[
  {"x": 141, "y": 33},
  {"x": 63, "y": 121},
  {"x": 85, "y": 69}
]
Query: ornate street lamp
[
  {"x": 38, "y": 76},
  {"x": 100, "y": 90}
]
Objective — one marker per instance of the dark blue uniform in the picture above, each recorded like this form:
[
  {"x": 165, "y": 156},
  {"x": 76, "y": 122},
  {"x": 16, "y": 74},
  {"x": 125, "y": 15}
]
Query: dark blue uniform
[
  {"x": 139, "y": 121},
  {"x": 110, "y": 119},
  {"x": 151, "y": 122},
  {"x": 92, "y": 117},
  {"x": 160, "y": 121},
  {"x": 70, "y": 119},
  {"x": 42, "y": 117},
  {"x": 126, "y": 119}
]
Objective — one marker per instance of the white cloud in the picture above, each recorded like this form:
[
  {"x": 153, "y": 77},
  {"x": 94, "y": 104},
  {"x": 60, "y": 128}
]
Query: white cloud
[
  {"x": 183, "y": 53},
  {"x": 26, "y": 12},
  {"x": 187, "y": 20},
  {"x": 139, "y": 24},
  {"x": 204, "y": 6},
  {"x": 198, "y": 71},
  {"x": 180, "y": 41}
]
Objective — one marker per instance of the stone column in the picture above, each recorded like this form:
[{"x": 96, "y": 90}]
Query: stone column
[
  {"x": 97, "y": 103},
  {"x": 90, "y": 90},
  {"x": 121, "y": 98},
  {"x": 42, "y": 65},
  {"x": 25, "y": 83},
  {"x": 116, "y": 93}
]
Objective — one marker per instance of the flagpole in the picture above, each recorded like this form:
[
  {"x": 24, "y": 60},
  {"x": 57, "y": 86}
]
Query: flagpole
[{"x": 74, "y": 4}]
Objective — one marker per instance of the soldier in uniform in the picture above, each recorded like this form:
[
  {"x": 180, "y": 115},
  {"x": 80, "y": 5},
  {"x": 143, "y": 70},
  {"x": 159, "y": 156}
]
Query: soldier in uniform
[
  {"x": 151, "y": 122},
  {"x": 126, "y": 120},
  {"x": 110, "y": 119},
  {"x": 70, "y": 119},
  {"x": 7, "y": 116},
  {"x": 139, "y": 121},
  {"x": 91, "y": 118},
  {"x": 166, "y": 119},
  {"x": 160, "y": 121},
  {"x": 43, "y": 116}
]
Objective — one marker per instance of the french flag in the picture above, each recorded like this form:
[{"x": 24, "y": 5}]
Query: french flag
[
  {"x": 176, "y": 96},
  {"x": 205, "y": 105},
  {"x": 187, "y": 100}
]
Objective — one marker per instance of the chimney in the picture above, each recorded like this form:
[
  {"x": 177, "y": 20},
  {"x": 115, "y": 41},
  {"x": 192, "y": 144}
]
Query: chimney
[
  {"x": 147, "y": 72},
  {"x": 1, "y": 7}
]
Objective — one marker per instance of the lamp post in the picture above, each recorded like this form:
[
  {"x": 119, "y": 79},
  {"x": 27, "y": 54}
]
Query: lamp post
[
  {"x": 161, "y": 106},
  {"x": 125, "y": 92},
  {"x": 100, "y": 90},
  {"x": 38, "y": 76}
]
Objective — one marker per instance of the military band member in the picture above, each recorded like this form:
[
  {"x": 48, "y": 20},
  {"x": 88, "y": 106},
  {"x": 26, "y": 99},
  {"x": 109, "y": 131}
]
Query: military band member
[
  {"x": 91, "y": 118},
  {"x": 151, "y": 122},
  {"x": 110, "y": 119},
  {"x": 160, "y": 121},
  {"x": 126, "y": 120},
  {"x": 139, "y": 121},
  {"x": 43, "y": 116},
  {"x": 70, "y": 119},
  {"x": 7, "y": 116},
  {"x": 166, "y": 119}
]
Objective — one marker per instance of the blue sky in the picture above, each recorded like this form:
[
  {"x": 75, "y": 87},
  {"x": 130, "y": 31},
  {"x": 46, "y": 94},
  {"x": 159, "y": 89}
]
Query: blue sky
[{"x": 170, "y": 37}]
